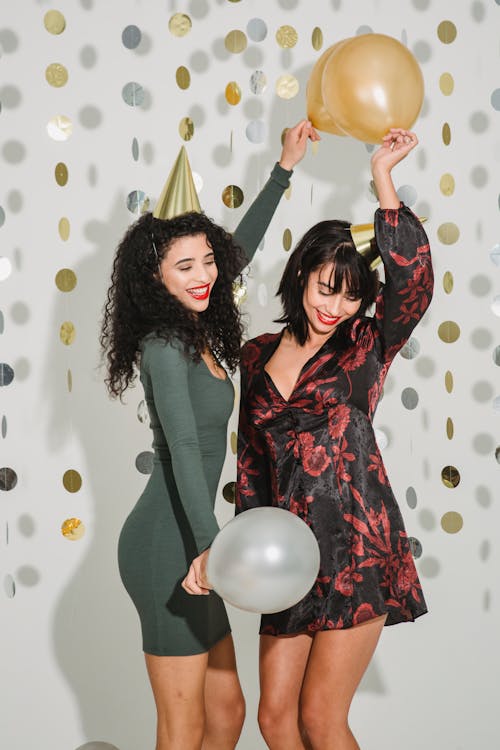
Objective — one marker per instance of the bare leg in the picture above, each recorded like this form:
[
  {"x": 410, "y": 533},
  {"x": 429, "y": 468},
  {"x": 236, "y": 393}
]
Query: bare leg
[
  {"x": 178, "y": 684},
  {"x": 336, "y": 665},
  {"x": 224, "y": 702},
  {"x": 283, "y": 661}
]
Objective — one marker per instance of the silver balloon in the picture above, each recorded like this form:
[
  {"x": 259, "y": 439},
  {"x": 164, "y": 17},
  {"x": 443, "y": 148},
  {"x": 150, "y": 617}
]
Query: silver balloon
[{"x": 264, "y": 560}]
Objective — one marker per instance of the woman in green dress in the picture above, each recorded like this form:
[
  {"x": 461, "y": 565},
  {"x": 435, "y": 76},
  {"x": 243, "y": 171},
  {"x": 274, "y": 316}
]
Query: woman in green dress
[{"x": 170, "y": 312}]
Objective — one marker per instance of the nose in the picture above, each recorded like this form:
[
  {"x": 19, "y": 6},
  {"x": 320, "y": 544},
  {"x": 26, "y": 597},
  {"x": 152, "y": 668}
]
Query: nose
[
  {"x": 202, "y": 273},
  {"x": 334, "y": 306}
]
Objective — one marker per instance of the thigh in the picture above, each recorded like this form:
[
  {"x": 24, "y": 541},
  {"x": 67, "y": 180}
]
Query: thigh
[
  {"x": 283, "y": 661},
  {"x": 337, "y": 662}
]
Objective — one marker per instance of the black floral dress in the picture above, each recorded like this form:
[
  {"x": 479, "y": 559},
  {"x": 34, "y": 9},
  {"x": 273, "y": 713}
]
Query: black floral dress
[{"x": 316, "y": 454}]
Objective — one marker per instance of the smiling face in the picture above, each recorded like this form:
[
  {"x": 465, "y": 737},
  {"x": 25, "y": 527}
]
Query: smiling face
[
  {"x": 189, "y": 271},
  {"x": 324, "y": 308}
]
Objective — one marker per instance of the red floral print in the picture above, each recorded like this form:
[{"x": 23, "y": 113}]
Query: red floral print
[{"x": 316, "y": 453}]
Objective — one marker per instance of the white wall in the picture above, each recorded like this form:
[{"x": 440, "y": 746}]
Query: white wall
[{"x": 71, "y": 665}]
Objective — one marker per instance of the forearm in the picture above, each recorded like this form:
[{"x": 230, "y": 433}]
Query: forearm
[
  {"x": 386, "y": 192},
  {"x": 252, "y": 227}
]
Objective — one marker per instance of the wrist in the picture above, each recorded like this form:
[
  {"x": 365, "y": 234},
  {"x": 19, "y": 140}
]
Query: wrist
[{"x": 286, "y": 164}]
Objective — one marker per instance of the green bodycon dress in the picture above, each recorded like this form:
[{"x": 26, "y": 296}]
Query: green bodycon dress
[{"x": 173, "y": 520}]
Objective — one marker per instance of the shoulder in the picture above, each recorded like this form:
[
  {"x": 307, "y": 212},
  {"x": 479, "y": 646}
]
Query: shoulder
[
  {"x": 159, "y": 351},
  {"x": 252, "y": 350}
]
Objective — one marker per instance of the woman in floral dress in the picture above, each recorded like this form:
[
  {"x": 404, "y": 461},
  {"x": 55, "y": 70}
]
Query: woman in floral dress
[{"x": 307, "y": 444}]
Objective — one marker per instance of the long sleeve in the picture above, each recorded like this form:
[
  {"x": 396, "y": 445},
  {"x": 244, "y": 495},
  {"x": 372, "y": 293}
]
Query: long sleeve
[
  {"x": 255, "y": 222},
  {"x": 409, "y": 279},
  {"x": 168, "y": 370}
]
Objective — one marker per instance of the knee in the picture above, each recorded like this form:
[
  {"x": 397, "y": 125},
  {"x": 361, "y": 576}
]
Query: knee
[
  {"x": 321, "y": 722},
  {"x": 228, "y": 713},
  {"x": 274, "y": 719},
  {"x": 235, "y": 713}
]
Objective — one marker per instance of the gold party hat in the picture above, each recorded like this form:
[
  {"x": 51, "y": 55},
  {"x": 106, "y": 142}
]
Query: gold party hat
[
  {"x": 363, "y": 236},
  {"x": 179, "y": 194}
]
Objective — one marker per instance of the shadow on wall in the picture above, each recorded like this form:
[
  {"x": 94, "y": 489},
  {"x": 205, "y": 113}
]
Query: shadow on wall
[{"x": 95, "y": 628}]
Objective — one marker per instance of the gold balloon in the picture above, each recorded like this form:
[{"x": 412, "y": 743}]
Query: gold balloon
[
  {"x": 370, "y": 84},
  {"x": 316, "y": 109}
]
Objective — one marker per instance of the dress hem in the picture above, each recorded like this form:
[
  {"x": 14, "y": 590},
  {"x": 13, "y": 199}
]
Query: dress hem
[
  {"x": 325, "y": 628},
  {"x": 162, "y": 652}
]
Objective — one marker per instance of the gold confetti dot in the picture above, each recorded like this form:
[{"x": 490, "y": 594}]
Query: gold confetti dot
[
  {"x": 446, "y": 134},
  {"x": 287, "y": 86},
  {"x": 235, "y": 41},
  {"x": 232, "y": 196},
  {"x": 449, "y": 331},
  {"x": 72, "y": 529},
  {"x": 56, "y": 75},
  {"x": 239, "y": 292},
  {"x": 447, "y": 32},
  {"x": 61, "y": 173},
  {"x": 450, "y": 477},
  {"x": 234, "y": 442},
  {"x": 448, "y": 233},
  {"x": 179, "y": 24},
  {"x": 229, "y": 492},
  {"x": 447, "y": 184},
  {"x": 448, "y": 282},
  {"x": 186, "y": 128},
  {"x": 233, "y": 93},
  {"x": 183, "y": 77},
  {"x": 449, "y": 428},
  {"x": 317, "y": 38},
  {"x": 448, "y": 381},
  {"x": 54, "y": 22},
  {"x": 286, "y": 36},
  {"x": 69, "y": 380},
  {"x": 446, "y": 84},
  {"x": 72, "y": 480},
  {"x": 452, "y": 522},
  {"x": 64, "y": 229},
  {"x": 287, "y": 240},
  {"x": 67, "y": 333},
  {"x": 65, "y": 280}
]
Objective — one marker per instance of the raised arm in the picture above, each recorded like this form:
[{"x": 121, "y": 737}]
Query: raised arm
[
  {"x": 404, "y": 248},
  {"x": 255, "y": 222}
]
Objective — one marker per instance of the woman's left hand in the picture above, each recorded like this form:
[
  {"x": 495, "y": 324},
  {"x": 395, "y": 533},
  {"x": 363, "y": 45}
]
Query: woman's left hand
[
  {"x": 196, "y": 580},
  {"x": 295, "y": 143},
  {"x": 396, "y": 145}
]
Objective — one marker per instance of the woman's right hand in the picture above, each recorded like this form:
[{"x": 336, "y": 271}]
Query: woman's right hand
[
  {"x": 295, "y": 143},
  {"x": 196, "y": 580}
]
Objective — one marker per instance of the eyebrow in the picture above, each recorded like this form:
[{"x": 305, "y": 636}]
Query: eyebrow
[
  {"x": 188, "y": 260},
  {"x": 323, "y": 283}
]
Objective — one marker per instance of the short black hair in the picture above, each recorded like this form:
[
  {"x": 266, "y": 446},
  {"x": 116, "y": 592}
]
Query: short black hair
[{"x": 326, "y": 242}]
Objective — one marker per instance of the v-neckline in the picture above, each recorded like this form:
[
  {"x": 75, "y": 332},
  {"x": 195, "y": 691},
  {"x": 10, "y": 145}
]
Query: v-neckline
[{"x": 269, "y": 378}]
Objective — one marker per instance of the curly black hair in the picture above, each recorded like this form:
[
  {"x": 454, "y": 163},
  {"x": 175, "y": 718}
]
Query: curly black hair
[
  {"x": 326, "y": 242},
  {"x": 138, "y": 303}
]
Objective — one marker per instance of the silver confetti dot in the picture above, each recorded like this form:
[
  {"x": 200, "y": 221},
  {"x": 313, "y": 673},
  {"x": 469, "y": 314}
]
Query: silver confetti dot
[
  {"x": 131, "y": 37},
  {"x": 144, "y": 462},
  {"x": 133, "y": 94}
]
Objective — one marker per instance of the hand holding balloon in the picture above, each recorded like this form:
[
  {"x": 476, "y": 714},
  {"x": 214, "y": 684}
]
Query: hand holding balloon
[
  {"x": 396, "y": 145},
  {"x": 196, "y": 580},
  {"x": 264, "y": 560},
  {"x": 295, "y": 143}
]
